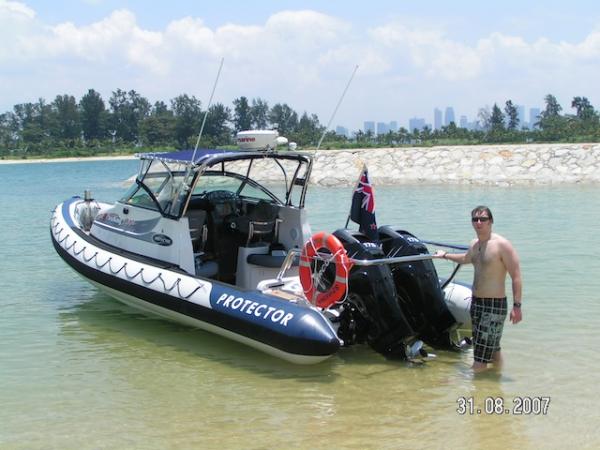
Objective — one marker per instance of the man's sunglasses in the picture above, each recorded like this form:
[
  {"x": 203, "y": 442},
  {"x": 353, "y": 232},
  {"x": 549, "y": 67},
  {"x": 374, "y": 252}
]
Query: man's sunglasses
[{"x": 479, "y": 219}]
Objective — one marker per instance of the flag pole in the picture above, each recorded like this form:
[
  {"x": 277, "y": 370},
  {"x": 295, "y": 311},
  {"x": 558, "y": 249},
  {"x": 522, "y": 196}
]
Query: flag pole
[{"x": 362, "y": 169}]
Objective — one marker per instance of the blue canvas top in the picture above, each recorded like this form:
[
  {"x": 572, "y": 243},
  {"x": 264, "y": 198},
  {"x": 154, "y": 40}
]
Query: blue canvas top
[
  {"x": 185, "y": 156},
  {"x": 203, "y": 155}
]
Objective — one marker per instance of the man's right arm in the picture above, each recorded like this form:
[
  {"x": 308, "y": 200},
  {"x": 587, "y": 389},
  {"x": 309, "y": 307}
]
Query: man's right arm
[{"x": 459, "y": 258}]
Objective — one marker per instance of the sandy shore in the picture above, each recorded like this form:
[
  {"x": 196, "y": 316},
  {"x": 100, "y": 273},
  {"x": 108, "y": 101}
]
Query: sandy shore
[{"x": 59, "y": 160}]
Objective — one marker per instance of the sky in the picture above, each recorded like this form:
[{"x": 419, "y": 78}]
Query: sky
[{"x": 412, "y": 56}]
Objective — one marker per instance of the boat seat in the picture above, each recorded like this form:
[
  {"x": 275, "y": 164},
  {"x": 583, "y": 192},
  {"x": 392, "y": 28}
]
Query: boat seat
[
  {"x": 198, "y": 228},
  {"x": 260, "y": 223}
]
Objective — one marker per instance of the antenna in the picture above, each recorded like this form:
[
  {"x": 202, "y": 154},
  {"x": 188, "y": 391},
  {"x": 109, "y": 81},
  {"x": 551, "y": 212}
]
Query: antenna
[
  {"x": 336, "y": 107},
  {"x": 207, "y": 108}
]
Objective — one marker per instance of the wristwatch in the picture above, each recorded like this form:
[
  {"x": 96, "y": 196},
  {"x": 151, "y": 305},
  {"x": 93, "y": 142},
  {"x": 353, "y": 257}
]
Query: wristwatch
[{"x": 516, "y": 304}]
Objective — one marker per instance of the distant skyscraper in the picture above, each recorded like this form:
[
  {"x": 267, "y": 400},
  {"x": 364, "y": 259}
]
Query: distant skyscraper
[
  {"x": 449, "y": 116},
  {"x": 464, "y": 123},
  {"x": 369, "y": 126},
  {"x": 341, "y": 131},
  {"x": 382, "y": 128},
  {"x": 534, "y": 118},
  {"x": 416, "y": 123},
  {"x": 394, "y": 126},
  {"x": 437, "y": 119},
  {"x": 521, "y": 116}
]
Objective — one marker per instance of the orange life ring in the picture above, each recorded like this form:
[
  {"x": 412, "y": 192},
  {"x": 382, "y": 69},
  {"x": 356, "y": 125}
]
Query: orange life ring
[{"x": 343, "y": 265}]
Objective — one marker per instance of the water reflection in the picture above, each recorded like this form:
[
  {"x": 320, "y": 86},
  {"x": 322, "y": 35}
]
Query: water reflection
[
  {"x": 78, "y": 370},
  {"x": 104, "y": 323}
]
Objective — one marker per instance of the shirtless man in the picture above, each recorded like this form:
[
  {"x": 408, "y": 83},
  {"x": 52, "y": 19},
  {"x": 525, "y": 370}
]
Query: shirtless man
[{"x": 492, "y": 256}]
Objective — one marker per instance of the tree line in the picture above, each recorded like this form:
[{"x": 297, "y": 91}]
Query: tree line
[{"x": 129, "y": 122}]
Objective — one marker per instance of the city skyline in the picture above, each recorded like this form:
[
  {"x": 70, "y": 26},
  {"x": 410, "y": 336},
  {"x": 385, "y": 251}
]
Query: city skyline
[
  {"x": 528, "y": 120},
  {"x": 411, "y": 56}
]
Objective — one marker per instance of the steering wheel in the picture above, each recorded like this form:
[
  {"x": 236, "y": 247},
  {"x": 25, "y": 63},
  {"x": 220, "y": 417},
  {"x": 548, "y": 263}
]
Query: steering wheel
[
  {"x": 224, "y": 205},
  {"x": 221, "y": 196}
]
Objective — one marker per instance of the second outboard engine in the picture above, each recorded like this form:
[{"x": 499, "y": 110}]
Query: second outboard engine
[
  {"x": 371, "y": 313},
  {"x": 419, "y": 292}
]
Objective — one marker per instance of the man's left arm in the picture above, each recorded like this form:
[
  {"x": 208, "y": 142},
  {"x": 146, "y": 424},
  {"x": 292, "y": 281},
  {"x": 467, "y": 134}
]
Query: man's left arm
[{"x": 511, "y": 262}]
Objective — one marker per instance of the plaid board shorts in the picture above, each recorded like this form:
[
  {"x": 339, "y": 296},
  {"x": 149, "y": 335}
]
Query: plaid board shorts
[{"x": 487, "y": 317}]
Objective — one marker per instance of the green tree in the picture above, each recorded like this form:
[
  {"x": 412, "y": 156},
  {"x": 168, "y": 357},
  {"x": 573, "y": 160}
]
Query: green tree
[
  {"x": 415, "y": 136},
  {"x": 359, "y": 136},
  {"x": 242, "y": 115},
  {"x": 552, "y": 124},
  {"x": 283, "y": 118},
  {"x": 259, "y": 114},
  {"x": 587, "y": 121},
  {"x": 552, "y": 109},
  {"x": 308, "y": 131},
  {"x": 496, "y": 120},
  {"x": 511, "y": 115},
  {"x": 128, "y": 109},
  {"x": 7, "y": 136},
  {"x": 93, "y": 116},
  {"x": 188, "y": 118},
  {"x": 216, "y": 124},
  {"x": 484, "y": 117},
  {"x": 160, "y": 108},
  {"x": 450, "y": 131},
  {"x": 67, "y": 119},
  {"x": 585, "y": 110},
  {"x": 425, "y": 134},
  {"x": 158, "y": 129},
  {"x": 403, "y": 135},
  {"x": 32, "y": 121}
]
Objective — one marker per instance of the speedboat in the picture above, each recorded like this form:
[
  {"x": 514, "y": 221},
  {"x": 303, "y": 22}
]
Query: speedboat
[{"x": 207, "y": 238}]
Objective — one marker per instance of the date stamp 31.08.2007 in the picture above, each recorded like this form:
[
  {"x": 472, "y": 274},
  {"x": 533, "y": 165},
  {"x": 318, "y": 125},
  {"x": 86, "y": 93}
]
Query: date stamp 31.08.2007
[{"x": 517, "y": 406}]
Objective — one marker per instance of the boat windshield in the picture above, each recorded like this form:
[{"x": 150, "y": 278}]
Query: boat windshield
[
  {"x": 277, "y": 180},
  {"x": 164, "y": 185},
  {"x": 159, "y": 186}
]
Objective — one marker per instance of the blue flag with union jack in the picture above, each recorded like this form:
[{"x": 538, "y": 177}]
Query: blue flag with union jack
[{"x": 363, "y": 207}]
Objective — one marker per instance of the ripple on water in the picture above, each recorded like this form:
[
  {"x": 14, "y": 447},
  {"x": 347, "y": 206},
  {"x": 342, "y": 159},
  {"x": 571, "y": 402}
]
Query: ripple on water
[{"x": 79, "y": 370}]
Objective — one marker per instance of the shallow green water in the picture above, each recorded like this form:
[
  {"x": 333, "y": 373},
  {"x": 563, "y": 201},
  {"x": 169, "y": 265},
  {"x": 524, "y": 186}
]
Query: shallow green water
[{"x": 78, "y": 370}]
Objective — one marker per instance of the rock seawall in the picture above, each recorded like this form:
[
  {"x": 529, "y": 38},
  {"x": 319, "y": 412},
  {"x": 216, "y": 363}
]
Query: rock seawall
[{"x": 506, "y": 165}]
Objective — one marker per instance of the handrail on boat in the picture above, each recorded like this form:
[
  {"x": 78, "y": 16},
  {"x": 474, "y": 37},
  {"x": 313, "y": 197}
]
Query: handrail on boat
[
  {"x": 442, "y": 244},
  {"x": 295, "y": 252}
]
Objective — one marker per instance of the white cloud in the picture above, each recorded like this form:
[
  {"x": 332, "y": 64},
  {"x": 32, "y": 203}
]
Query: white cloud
[
  {"x": 16, "y": 11},
  {"x": 295, "y": 56},
  {"x": 309, "y": 28},
  {"x": 190, "y": 34},
  {"x": 429, "y": 51},
  {"x": 16, "y": 23},
  {"x": 370, "y": 60},
  {"x": 96, "y": 42}
]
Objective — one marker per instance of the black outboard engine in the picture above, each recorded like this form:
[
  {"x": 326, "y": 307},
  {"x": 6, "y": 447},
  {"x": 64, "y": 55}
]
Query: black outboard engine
[
  {"x": 419, "y": 294},
  {"x": 371, "y": 312}
]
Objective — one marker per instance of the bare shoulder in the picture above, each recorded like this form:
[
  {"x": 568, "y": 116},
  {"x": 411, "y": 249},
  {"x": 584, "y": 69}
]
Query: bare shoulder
[
  {"x": 472, "y": 244},
  {"x": 506, "y": 247},
  {"x": 501, "y": 241}
]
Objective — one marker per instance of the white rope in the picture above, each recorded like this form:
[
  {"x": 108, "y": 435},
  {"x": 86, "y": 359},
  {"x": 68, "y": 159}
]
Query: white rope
[{"x": 70, "y": 247}]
